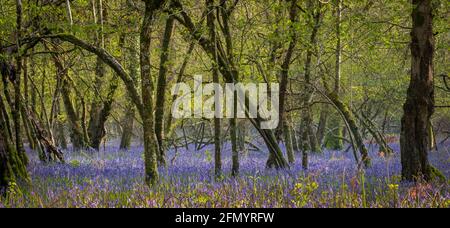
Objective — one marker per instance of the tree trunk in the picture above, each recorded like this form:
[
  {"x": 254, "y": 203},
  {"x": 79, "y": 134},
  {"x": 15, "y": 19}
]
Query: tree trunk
[
  {"x": 12, "y": 167},
  {"x": 288, "y": 143},
  {"x": 101, "y": 109},
  {"x": 284, "y": 75},
  {"x": 162, "y": 88},
  {"x": 77, "y": 136},
  {"x": 217, "y": 122},
  {"x": 322, "y": 127},
  {"x": 353, "y": 128},
  {"x": 150, "y": 140},
  {"x": 127, "y": 127},
  {"x": 419, "y": 106},
  {"x": 308, "y": 136},
  {"x": 128, "y": 121},
  {"x": 334, "y": 140},
  {"x": 16, "y": 80}
]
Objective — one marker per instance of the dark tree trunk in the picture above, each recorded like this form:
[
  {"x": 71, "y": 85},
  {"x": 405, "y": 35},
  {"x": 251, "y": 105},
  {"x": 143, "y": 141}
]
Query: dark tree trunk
[
  {"x": 234, "y": 145},
  {"x": 16, "y": 80},
  {"x": 217, "y": 123},
  {"x": 60, "y": 135},
  {"x": 284, "y": 75},
  {"x": 419, "y": 106}
]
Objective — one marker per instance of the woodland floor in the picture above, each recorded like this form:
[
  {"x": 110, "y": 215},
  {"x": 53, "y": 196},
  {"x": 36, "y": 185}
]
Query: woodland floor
[{"x": 112, "y": 178}]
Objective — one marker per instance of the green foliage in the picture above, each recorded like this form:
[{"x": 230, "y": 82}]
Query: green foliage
[{"x": 75, "y": 163}]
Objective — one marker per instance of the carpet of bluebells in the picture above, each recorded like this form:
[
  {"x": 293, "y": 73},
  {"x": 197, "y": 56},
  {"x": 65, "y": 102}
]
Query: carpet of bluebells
[{"x": 113, "y": 178}]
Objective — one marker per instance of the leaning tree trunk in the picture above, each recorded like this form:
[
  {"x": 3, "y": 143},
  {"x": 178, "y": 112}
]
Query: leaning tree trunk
[
  {"x": 419, "y": 106},
  {"x": 353, "y": 128}
]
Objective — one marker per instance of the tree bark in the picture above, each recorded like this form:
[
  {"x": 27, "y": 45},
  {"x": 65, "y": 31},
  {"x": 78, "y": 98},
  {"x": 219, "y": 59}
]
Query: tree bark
[
  {"x": 334, "y": 138},
  {"x": 419, "y": 105},
  {"x": 288, "y": 143},
  {"x": 16, "y": 80},
  {"x": 309, "y": 139},
  {"x": 12, "y": 167},
  {"x": 162, "y": 88},
  {"x": 284, "y": 75},
  {"x": 217, "y": 122},
  {"x": 150, "y": 141}
]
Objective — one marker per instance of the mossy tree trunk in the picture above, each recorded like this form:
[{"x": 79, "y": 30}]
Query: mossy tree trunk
[
  {"x": 353, "y": 128},
  {"x": 151, "y": 147}
]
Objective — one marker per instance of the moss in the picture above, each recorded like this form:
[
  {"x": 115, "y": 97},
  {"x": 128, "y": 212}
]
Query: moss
[
  {"x": 350, "y": 119},
  {"x": 437, "y": 175}
]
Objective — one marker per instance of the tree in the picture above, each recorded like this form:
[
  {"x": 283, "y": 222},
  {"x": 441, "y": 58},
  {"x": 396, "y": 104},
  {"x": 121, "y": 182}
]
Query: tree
[
  {"x": 150, "y": 140},
  {"x": 419, "y": 105},
  {"x": 283, "y": 127},
  {"x": 217, "y": 123},
  {"x": 308, "y": 137},
  {"x": 162, "y": 88}
]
